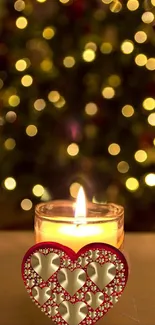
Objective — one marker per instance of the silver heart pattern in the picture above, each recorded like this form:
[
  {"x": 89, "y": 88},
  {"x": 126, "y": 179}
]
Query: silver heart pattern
[
  {"x": 45, "y": 265},
  {"x": 71, "y": 288}
]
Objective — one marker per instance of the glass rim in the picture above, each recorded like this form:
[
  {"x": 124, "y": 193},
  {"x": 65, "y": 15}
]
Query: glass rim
[{"x": 114, "y": 211}]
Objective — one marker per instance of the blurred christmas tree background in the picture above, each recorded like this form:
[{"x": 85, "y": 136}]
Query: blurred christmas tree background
[{"x": 77, "y": 97}]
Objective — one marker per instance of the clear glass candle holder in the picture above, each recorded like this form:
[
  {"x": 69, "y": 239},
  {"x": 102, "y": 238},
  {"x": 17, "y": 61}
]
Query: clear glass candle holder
[{"x": 55, "y": 221}]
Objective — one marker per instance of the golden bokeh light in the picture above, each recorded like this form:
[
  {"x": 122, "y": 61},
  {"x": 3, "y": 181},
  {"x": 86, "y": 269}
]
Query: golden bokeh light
[
  {"x": 147, "y": 17},
  {"x": 74, "y": 189},
  {"x": 127, "y": 47},
  {"x": 89, "y": 55},
  {"x": 60, "y": 103},
  {"x": 21, "y": 65},
  {"x": 127, "y": 110},
  {"x": 48, "y": 32},
  {"x": 132, "y": 5},
  {"x": 64, "y": 1},
  {"x": 46, "y": 65},
  {"x": 21, "y": 22},
  {"x": 140, "y": 37},
  {"x": 132, "y": 184},
  {"x": 150, "y": 179},
  {"x": 38, "y": 190},
  {"x": 69, "y": 61},
  {"x": 9, "y": 144},
  {"x": 14, "y": 100},
  {"x": 141, "y": 60},
  {"x": 31, "y": 130},
  {"x": 46, "y": 195},
  {"x": 140, "y": 156},
  {"x": 10, "y": 183},
  {"x": 108, "y": 92},
  {"x": 11, "y": 116},
  {"x": 114, "y": 80},
  {"x": 39, "y": 104},
  {"x": 91, "y": 46},
  {"x": 73, "y": 149},
  {"x": 149, "y": 104},
  {"x": 41, "y": 1},
  {"x": 107, "y": 1},
  {"x": 53, "y": 96},
  {"x": 123, "y": 167},
  {"x": 150, "y": 64},
  {"x": 153, "y": 2},
  {"x": 115, "y": 6},
  {"x": 27, "y": 80},
  {"x": 26, "y": 204},
  {"x": 114, "y": 149},
  {"x": 19, "y": 5},
  {"x": 91, "y": 109},
  {"x": 151, "y": 119},
  {"x": 106, "y": 48}
]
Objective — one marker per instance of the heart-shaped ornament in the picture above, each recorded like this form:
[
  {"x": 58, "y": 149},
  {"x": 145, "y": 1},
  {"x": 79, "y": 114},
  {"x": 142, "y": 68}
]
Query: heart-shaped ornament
[{"x": 74, "y": 288}]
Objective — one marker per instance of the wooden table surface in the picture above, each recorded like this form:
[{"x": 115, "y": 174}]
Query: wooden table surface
[{"x": 136, "y": 306}]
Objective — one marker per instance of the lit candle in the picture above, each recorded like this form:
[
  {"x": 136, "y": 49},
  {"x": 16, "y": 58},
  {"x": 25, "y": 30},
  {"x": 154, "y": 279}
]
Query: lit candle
[{"x": 97, "y": 223}]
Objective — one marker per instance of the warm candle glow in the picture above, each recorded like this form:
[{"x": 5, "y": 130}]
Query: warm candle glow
[
  {"x": 80, "y": 210},
  {"x": 76, "y": 224}
]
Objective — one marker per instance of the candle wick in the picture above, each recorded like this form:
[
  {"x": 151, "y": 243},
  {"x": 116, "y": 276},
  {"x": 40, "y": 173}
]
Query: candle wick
[{"x": 80, "y": 221}]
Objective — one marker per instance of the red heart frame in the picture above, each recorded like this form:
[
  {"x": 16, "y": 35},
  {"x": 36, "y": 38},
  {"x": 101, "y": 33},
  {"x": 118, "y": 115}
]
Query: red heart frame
[{"x": 73, "y": 256}]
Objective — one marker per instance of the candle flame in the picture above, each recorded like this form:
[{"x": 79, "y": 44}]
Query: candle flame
[{"x": 80, "y": 210}]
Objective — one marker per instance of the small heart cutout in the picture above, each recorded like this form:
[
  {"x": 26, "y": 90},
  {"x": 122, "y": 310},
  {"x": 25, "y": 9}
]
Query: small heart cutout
[
  {"x": 45, "y": 265},
  {"x": 58, "y": 298},
  {"x": 41, "y": 295},
  {"x": 73, "y": 314},
  {"x": 71, "y": 281},
  {"x": 94, "y": 299},
  {"x": 96, "y": 271}
]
